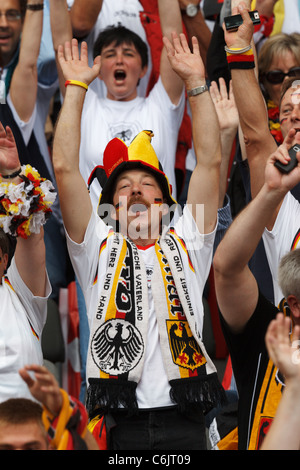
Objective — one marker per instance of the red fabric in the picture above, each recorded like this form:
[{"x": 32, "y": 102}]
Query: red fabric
[
  {"x": 151, "y": 24},
  {"x": 101, "y": 440},
  {"x": 265, "y": 26},
  {"x": 74, "y": 377},
  {"x": 115, "y": 153},
  {"x": 227, "y": 375},
  {"x": 240, "y": 58}
]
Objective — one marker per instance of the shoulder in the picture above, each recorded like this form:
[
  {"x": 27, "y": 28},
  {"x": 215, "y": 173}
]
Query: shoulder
[{"x": 252, "y": 337}]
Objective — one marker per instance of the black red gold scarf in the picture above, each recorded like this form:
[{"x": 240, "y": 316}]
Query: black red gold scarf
[{"x": 118, "y": 333}]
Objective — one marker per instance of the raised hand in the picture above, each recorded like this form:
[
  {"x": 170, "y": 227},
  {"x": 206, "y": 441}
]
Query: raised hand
[
  {"x": 44, "y": 387},
  {"x": 243, "y": 36},
  {"x": 283, "y": 350},
  {"x": 273, "y": 177},
  {"x": 225, "y": 106},
  {"x": 186, "y": 63},
  {"x": 75, "y": 65},
  {"x": 9, "y": 157}
]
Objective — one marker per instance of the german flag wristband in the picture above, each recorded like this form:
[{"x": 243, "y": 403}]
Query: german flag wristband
[{"x": 243, "y": 61}]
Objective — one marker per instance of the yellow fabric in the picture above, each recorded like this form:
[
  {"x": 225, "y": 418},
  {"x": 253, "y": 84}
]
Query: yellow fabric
[
  {"x": 91, "y": 425},
  {"x": 228, "y": 54},
  {"x": 269, "y": 397},
  {"x": 279, "y": 17},
  {"x": 229, "y": 442},
  {"x": 278, "y": 13},
  {"x": 141, "y": 149},
  {"x": 61, "y": 437}
]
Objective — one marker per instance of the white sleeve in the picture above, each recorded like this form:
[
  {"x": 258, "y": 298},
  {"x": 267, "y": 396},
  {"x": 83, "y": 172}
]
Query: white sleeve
[
  {"x": 26, "y": 128},
  {"x": 199, "y": 246},
  {"x": 281, "y": 239},
  {"x": 35, "y": 306},
  {"x": 85, "y": 256}
]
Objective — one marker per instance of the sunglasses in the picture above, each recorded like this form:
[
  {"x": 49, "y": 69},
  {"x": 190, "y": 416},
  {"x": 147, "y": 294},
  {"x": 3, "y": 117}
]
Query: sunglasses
[{"x": 277, "y": 76}]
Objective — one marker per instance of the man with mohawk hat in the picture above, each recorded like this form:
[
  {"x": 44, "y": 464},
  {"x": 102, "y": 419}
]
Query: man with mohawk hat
[{"x": 150, "y": 379}]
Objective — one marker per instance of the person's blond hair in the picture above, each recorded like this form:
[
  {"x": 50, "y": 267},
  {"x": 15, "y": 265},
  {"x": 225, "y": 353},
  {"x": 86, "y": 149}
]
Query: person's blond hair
[
  {"x": 289, "y": 274},
  {"x": 276, "y": 46}
]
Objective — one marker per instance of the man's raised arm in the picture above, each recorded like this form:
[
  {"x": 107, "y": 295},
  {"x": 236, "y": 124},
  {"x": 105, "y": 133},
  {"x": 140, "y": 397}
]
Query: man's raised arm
[
  {"x": 84, "y": 16},
  {"x": 259, "y": 142},
  {"x": 171, "y": 21},
  {"x": 30, "y": 248},
  {"x": 204, "y": 183},
  {"x": 236, "y": 287},
  {"x": 23, "y": 88}
]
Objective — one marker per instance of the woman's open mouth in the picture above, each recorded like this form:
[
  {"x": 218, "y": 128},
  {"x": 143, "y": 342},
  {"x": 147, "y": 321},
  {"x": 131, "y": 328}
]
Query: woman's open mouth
[{"x": 119, "y": 75}]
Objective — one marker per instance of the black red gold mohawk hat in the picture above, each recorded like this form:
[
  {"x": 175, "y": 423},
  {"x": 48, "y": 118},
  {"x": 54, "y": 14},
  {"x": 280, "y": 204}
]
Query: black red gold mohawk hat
[{"x": 117, "y": 157}]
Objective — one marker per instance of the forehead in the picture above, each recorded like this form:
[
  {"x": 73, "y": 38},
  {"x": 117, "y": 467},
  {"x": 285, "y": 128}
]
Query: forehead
[
  {"x": 284, "y": 59},
  {"x": 119, "y": 44},
  {"x": 291, "y": 96},
  {"x": 135, "y": 174},
  {"x": 10, "y": 4},
  {"x": 22, "y": 435}
]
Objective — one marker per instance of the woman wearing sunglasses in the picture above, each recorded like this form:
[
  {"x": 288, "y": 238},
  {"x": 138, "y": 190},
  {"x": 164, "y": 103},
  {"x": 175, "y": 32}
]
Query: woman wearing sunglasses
[{"x": 278, "y": 59}]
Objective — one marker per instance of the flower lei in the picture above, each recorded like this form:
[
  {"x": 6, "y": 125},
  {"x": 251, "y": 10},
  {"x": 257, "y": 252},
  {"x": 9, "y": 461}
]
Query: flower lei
[
  {"x": 274, "y": 125},
  {"x": 26, "y": 206}
]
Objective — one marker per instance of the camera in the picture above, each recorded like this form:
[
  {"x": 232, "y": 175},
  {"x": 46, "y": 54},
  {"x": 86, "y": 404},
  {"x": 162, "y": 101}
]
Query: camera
[
  {"x": 286, "y": 168},
  {"x": 233, "y": 22}
]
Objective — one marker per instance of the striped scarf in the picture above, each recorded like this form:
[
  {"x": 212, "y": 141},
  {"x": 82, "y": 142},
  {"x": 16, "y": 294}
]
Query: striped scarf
[{"x": 118, "y": 334}]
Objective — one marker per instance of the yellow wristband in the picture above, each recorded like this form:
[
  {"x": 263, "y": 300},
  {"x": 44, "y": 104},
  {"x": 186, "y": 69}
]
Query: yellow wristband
[{"x": 76, "y": 82}]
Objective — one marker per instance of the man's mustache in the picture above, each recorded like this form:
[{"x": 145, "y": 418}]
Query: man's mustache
[{"x": 137, "y": 201}]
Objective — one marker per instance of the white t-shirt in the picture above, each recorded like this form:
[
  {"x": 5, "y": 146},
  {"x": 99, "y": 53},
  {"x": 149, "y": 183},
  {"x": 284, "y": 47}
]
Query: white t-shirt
[
  {"x": 104, "y": 119},
  {"x": 291, "y": 22},
  {"x": 153, "y": 387},
  {"x": 282, "y": 238},
  {"x": 22, "y": 318}
]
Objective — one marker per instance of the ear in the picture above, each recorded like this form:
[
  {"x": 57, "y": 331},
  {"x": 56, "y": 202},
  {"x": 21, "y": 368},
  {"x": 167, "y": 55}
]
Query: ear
[
  {"x": 143, "y": 71},
  {"x": 5, "y": 259},
  {"x": 294, "y": 304}
]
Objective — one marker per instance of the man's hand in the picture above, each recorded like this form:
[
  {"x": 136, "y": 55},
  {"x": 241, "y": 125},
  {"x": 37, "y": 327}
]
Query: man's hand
[
  {"x": 224, "y": 102},
  {"x": 243, "y": 36},
  {"x": 283, "y": 350},
  {"x": 44, "y": 388},
  {"x": 273, "y": 177},
  {"x": 9, "y": 158},
  {"x": 75, "y": 66},
  {"x": 186, "y": 63}
]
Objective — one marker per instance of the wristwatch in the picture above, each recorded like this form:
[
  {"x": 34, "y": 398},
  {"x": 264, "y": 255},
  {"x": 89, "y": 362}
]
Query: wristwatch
[
  {"x": 198, "y": 90},
  {"x": 192, "y": 10}
]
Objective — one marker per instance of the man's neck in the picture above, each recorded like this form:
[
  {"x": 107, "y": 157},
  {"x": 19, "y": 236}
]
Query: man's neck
[
  {"x": 7, "y": 59},
  {"x": 144, "y": 243}
]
